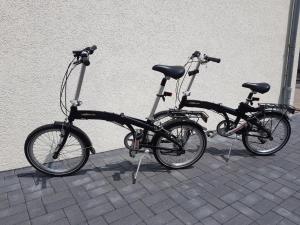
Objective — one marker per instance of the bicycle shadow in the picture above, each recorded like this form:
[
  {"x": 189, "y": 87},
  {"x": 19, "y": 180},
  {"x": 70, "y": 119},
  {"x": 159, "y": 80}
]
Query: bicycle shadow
[
  {"x": 116, "y": 171},
  {"x": 225, "y": 153}
]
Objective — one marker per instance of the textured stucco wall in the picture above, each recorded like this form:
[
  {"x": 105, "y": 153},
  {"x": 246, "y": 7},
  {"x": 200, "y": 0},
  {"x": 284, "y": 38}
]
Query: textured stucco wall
[{"x": 37, "y": 38}]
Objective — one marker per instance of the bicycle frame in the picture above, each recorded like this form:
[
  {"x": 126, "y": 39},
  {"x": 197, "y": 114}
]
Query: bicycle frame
[{"x": 120, "y": 119}]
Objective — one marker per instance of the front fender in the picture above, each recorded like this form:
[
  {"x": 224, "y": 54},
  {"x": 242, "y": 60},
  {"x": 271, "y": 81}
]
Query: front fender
[{"x": 81, "y": 132}]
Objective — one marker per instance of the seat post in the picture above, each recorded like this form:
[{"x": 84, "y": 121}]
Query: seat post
[
  {"x": 249, "y": 98},
  {"x": 160, "y": 92}
]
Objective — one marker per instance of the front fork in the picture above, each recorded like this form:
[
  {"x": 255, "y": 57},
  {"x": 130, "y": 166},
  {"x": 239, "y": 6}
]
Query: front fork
[{"x": 65, "y": 131}]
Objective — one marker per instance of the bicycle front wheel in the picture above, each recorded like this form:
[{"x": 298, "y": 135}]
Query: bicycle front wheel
[
  {"x": 190, "y": 135},
  {"x": 256, "y": 141},
  {"x": 42, "y": 143}
]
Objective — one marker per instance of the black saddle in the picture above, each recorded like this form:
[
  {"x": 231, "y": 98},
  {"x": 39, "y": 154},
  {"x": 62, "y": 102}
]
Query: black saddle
[
  {"x": 258, "y": 87},
  {"x": 170, "y": 71}
]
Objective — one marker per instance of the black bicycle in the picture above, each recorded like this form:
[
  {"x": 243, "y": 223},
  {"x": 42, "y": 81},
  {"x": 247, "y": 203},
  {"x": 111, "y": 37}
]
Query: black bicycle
[
  {"x": 62, "y": 149},
  {"x": 265, "y": 129}
]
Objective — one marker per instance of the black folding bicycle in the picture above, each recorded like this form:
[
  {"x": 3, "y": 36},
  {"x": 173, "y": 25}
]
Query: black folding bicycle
[
  {"x": 61, "y": 148},
  {"x": 264, "y": 129}
]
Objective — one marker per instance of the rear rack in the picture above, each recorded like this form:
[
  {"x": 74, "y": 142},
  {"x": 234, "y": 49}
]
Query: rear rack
[{"x": 277, "y": 107}]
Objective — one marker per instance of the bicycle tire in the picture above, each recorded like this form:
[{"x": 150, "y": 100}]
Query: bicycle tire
[
  {"x": 286, "y": 127},
  {"x": 157, "y": 140},
  {"x": 74, "y": 132}
]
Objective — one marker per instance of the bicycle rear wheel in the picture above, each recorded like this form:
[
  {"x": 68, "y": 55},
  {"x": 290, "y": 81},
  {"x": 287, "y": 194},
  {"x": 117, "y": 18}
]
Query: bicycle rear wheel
[
  {"x": 41, "y": 144},
  {"x": 256, "y": 140},
  {"x": 190, "y": 135}
]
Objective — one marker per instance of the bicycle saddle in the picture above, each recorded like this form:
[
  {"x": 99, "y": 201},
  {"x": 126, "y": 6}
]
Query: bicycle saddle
[
  {"x": 258, "y": 87},
  {"x": 171, "y": 71}
]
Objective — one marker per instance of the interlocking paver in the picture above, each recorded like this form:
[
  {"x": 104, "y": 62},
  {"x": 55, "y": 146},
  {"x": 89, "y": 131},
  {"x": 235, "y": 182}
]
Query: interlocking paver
[
  {"x": 246, "y": 190},
  {"x": 160, "y": 219},
  {"x": 74, "y": 215},
  {"x": 204, "y": 211},
  {"x": 183, "y": 215},
  {"x": 118, "y": 214},
  {"x": 141, "y": 209},
  {"x": 225, "y": 214}
]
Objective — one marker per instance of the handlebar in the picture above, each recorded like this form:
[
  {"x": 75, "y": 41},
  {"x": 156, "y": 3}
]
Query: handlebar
[
  {"x": 206, "y": 58},
  {"x": 83, "y": 55},
  {"x": 212, "y": 59}
]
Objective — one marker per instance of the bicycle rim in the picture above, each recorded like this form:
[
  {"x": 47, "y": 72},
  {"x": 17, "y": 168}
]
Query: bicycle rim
[
  {"x": 280, "y": 133},
  {"x": 194, "y": 146},
  {"x": 44, "y": 143}
]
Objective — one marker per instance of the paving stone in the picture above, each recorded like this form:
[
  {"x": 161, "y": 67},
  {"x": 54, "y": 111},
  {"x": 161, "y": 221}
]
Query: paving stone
[
  {"x": 53, "y": 206},
  {"x": 141, "y": 209},
  {"x": 155, "y": 198},
  {"x": 160, "y": 219},
  {"x": 178, "y": 175},
  {"x": 59, "y": 185},
  {"x": 48, "y": 218},
  {"x": 225, "y": 214},
  {"x": 98, "y": 210},
  {"x": 97, "y": 221},
  {"x": 84, "y": 205},
  {"x": 193, "y": 204},
  {"x": 95, "y": 184},
  {"x": 238, "y": 187},
  {"x": 163, "y": 205},
  {"x": 4, "y": 204},
  {"x": 74, "y": 215},
  {"x": 239, "y": 220},
  {"x": 246, "y": 210},
  {"x": 175, "y": 195},
  {"x": 100, "y": 190},
  {"x": 15, "y": 219},
  {"x": 79, "y": 193},
  {"x": 286, "y": 222},
  {"x": 288, "y": 215},
  {"x": 38, "y": 194},
  {"x": 139, "y": 194},
  {"x": 63, "y": 221},
  {"x": 268, "y": 195},
  {"x": 284, "y": 192},
  {"x": 116, "y": 199},
  {"x": 272, "y": 186},
  {"x": 253, "y": 185},
  {"x": 210, "y": 221},
  {"x": 35, "y": 208},
  {"x": 270, "y": 218},
  {"x": 11, "y": 187},
  {"x": 150, "y": 185},
  {"x": 217, "y": 202},
  {"x": 13, "y": 210},
  {"x": 232, "y": 197},
  {"x": 251, "y": 199},
  {"x": 133, "y": 219},
  {"x": 118, "y": 214},
  {"x": 175, "y": 222},
  {"x": 291, "y": 204},
  {"x": 183, "y": 215},
  {"x": 204, "y": 211},
  {"x": 263, "y": 206},
  {"x": 15, "y": 197}
]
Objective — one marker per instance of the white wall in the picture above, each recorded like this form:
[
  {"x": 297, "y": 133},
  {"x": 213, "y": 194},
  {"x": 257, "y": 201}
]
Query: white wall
[{"x": 37, "y": 38}]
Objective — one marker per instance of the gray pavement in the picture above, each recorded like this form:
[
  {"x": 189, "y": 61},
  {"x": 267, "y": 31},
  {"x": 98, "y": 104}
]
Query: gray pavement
[{"x": 247, "y": 189}]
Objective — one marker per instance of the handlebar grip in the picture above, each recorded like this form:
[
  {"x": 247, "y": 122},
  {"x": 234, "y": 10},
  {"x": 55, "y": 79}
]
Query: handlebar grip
[
  {"x": 195, "y": 54},
  {"x": 93, "y": 48},
  {"x": 217, "y": 60}
]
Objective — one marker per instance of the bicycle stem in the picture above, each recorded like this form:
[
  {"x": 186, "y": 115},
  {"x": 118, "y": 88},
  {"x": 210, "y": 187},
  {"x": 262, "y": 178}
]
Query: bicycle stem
[{"x": 75, "y": 102}]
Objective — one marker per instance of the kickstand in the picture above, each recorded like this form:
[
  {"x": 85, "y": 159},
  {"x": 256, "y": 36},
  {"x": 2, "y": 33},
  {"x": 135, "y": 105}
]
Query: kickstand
[
  {"x": 230, "y": 148},
  {"x": 139, "y": 165}
]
